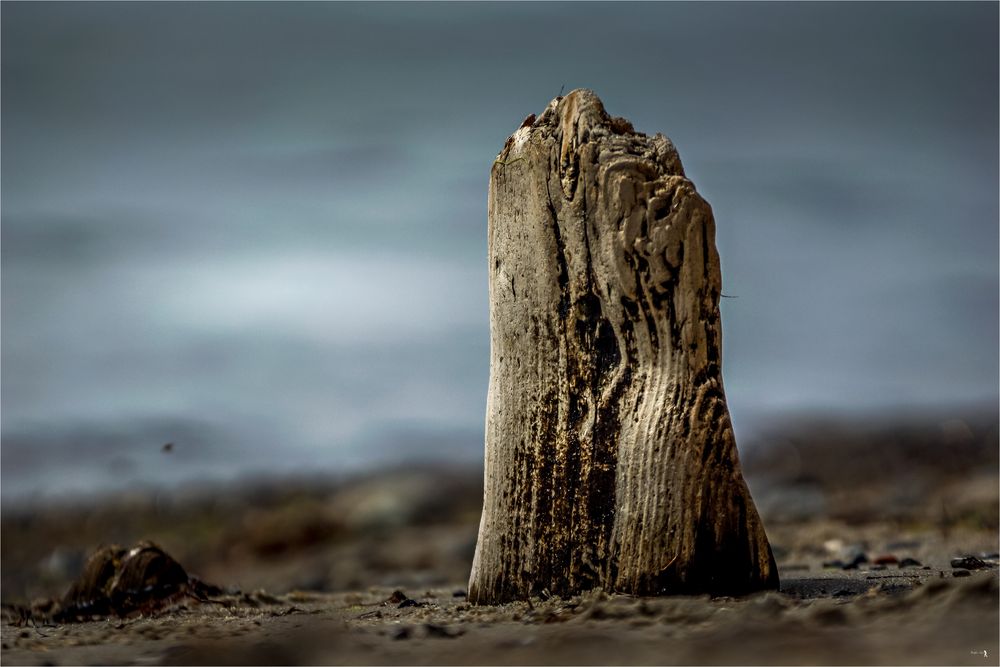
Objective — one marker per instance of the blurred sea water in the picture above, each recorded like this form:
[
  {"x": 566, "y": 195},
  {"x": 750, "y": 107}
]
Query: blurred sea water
[{"x": 258, "y": 231}]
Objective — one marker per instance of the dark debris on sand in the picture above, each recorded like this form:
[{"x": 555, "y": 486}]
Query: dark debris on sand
[{"x": 120, "y": 582}]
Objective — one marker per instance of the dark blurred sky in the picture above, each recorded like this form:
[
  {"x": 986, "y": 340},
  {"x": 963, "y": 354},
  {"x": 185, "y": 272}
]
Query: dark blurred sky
[{"x": 259, "y": 230}]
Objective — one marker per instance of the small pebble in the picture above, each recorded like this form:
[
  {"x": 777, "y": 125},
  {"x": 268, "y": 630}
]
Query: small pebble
[
  {"x": 459, "y": 594},
  {"x": 409, "y": 603},
  {"x": 854, "y": 552},
  {"x": 397, "y": 597},
  {"x": 961, "y": 573},
  {"x": 858, "y": 560},
  {"x": 909, "y": 562},
  {"x": 886, "y": 559},
  {"x": 969, "y": 563}
]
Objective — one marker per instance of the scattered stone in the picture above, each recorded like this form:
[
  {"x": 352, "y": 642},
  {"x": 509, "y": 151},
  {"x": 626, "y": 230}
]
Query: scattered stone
[
  {"x": 886, "y": 559},
  {"x": 834, "y": 546},
  {"x": 961, "y": 573},
  {"x": 852, "y": 551},
  {"x": 397, "y": 597},
  {"x": 858, "y": 559},
  {"x": 402, "y": 600},
  {"x": 970, "y": 563},
  {"x": 410, "y": 603},
  {"x": 459, "y": 594},
  {"x": 909, "y": 562}
]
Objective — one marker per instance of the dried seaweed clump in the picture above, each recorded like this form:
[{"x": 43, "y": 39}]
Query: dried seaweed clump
[{"x": 122, "y": 582}]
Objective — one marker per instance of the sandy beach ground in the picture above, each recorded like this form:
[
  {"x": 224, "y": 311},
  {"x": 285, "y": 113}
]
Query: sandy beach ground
[{"x": 373, "y": 570}]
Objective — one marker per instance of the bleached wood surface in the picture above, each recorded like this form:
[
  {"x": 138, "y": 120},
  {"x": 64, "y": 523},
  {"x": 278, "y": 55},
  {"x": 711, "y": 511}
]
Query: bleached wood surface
[{"x": 610, "y": 457}]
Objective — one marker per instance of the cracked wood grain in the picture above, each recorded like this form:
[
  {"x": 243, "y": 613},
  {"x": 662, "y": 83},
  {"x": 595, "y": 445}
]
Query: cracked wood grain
[{"x": 610, "y": 457}]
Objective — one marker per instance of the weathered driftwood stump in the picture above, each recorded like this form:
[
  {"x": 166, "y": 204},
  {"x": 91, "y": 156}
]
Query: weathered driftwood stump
[{"x": 610, "y": 457}]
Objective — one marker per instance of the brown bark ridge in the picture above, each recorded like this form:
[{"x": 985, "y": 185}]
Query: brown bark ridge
[{"x": 610, "y": 456}]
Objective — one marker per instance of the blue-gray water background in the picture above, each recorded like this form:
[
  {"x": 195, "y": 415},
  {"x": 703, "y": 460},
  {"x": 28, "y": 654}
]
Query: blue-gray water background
[{"x": 258, "y": 230}]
